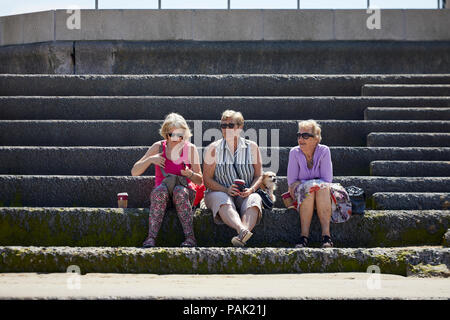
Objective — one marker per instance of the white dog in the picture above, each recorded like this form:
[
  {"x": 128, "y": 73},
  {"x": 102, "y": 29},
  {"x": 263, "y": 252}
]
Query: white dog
[{"x": 269, "y": 184}]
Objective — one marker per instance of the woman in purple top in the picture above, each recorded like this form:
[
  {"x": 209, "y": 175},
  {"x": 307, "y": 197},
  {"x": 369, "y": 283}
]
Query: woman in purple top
[{"x": 309, "y": 175}]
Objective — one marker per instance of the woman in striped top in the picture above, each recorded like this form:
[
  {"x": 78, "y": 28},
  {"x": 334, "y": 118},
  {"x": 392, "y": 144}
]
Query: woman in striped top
[{"x": 226, "y": 160}]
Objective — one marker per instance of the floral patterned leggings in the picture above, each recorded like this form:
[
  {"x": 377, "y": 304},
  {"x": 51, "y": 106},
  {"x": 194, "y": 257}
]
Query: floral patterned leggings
[{"x": 159, "y": 199}]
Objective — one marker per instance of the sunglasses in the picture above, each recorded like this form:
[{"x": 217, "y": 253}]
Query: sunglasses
[
  {"x": 227, "y": 125},
  {"x": 304, "y": 135},
  {"x": 177, "y": 135}
]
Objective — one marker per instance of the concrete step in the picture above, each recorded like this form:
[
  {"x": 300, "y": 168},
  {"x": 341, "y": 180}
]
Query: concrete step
[
  {"x": 111, "y": 227},
  {"x": 259, "y": 57},
  {"x": 393, "y": 113},
  {"x": 203, "y": 84},
  {"x": 411, "y": 200},
  {"x": 101, "y": 191},
  {"x": 402, "y": 261},
  {"x": 406, "y": 89},
  {"x": 146, "y": 132},
  {"x": 105, "y": 161},
  {"x": 201, "y": 107},
  {"x": 410, "y": 168},
  {"x": 227, "y": 57},
  {"x": 408, "y": 139}
]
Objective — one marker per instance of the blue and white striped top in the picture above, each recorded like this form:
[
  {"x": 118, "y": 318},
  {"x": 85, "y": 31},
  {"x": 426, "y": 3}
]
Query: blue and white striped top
[{"x": 225, "y": 172}]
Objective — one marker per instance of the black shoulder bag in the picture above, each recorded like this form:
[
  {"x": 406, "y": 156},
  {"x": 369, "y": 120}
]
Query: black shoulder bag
[{"x": 358, "y": 199}]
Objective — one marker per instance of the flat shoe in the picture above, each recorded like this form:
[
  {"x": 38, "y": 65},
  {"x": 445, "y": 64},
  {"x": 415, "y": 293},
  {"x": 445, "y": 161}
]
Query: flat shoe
[{"x": 242, "y": 238}]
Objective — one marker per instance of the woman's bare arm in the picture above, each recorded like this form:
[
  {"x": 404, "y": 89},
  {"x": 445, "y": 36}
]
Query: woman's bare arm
[{"x": 149, "y": 158}]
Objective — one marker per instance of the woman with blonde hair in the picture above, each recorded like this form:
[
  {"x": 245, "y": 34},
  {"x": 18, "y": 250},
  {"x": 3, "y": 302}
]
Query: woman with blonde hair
[
  {"x": 227, "y": 160},
  {"x": 173, "y": 155}
]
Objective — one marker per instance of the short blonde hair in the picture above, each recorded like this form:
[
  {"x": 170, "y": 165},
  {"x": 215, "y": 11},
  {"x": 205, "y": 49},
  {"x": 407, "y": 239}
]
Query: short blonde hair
[
  {"x": 316, "y": 129},
  {"x": 235, "y": 115},
  {"x": 174, "y": 120}
]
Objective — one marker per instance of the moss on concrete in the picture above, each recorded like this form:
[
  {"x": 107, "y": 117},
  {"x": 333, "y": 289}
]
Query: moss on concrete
[
  {"x": 114, "y": 227},
  {"x": 219, "y": 260},
  {"x": 427, "y": 270}
]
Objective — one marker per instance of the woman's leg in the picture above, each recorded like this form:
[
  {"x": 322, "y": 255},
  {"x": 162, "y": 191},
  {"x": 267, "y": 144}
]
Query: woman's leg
[
  {"x": 250, "y": 217},
  {"x": 184, "y": 211},
  {"x": 306, "y": 213},
  {"x": 231, "y": 218},
  {"x": 159, "y": 199},
  {"x": 251, "y": 207},
  {"x": 323, "y": 205}
]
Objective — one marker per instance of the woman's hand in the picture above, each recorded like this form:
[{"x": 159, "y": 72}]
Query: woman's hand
[
  {"x": 292, "y": 188},
  {"x": 188, "y": 173},
  {"x": 246, "y": 192},
  {"x": 233, "y": 191},
  {"x": 159, "y": 160}
]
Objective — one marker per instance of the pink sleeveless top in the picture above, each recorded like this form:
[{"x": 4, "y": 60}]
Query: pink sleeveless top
[{"x": 173, "y": 167}]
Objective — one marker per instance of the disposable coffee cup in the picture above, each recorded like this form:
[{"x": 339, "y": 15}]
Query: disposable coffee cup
[
  {"x": 240, "y": 184},
  {"x": 122, "y": 200}
]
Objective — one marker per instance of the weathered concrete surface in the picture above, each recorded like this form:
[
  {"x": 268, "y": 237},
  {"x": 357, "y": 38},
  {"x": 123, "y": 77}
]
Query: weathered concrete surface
[
  {"x": 228, "y": 57},
  {"x": 101, "y": 191},
  {"x": 218, "y": 260},
  {"x": 201, "y": 107},
  {"x": 411, "y": 200},
  {"x": 350, "y": 133},
  {"x": 406, "y": 90},
  {"x": 204, "y": 84},
  {"x": 278, "y": 228},
  {"x": 410, "y": 139},
  {"x": 410, "y": 168},
  {"x": 52, "y": 58},
  {"x": 261, "y": 57},
  {"x": 227, "y": 25},
  {"x": 393, "y": 113},
  {"x": 329, "y": 286},
  {"x": 115, "y": 161},
  {"x": 446, "y": 239}
]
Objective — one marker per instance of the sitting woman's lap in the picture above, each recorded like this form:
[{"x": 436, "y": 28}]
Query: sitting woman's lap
[{"x": 216, "y": 199}]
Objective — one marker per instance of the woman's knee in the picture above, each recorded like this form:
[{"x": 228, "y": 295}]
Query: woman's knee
[
  {"x": 160, "y": 193},
  {"x": 180, "y": 193}
]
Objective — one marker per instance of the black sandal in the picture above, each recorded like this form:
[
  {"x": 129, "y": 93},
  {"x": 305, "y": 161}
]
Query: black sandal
[
  {"x": 303, "y": 242},
  {"x": 326, "y": 242}
]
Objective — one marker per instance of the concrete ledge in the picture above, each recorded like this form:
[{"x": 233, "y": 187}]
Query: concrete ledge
[
  {"x": 218, "y": 260},
  {"x": 226, "y": 25},
  {"x": 200, "y": 107},
  {"x": 48, "y": 58},
  {"x": 203, "y": 84},
  {"x": 104, "y": 161},
  {"x": 410, "y": 168},
  {"x": 245, "y": 57},
  {"x": 410, "y": 139},
  {"x": 278, "y": 228},
  {"x": 411, "y": 201},
  {"x": 261, "y": 57},
  {"x": 406, "y": 90},
  {"x": 101, "y": 191},
  {"x": 424, "y": 113},
  {"x": 350, "y": 133}
]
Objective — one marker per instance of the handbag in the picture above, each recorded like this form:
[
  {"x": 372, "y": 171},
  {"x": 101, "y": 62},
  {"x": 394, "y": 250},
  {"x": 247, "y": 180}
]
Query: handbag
[
  {"x": 266, "y": 200},
  {"x": 171, "y": 180},
  {"x": 358, "y": 198}
]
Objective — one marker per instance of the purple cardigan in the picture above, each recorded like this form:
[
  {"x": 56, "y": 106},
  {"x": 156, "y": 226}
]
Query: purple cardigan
[{"x": 298, "y": 168}]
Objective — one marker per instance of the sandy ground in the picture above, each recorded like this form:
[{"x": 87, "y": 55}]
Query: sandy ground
[{"x": 247, "y": 286}]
